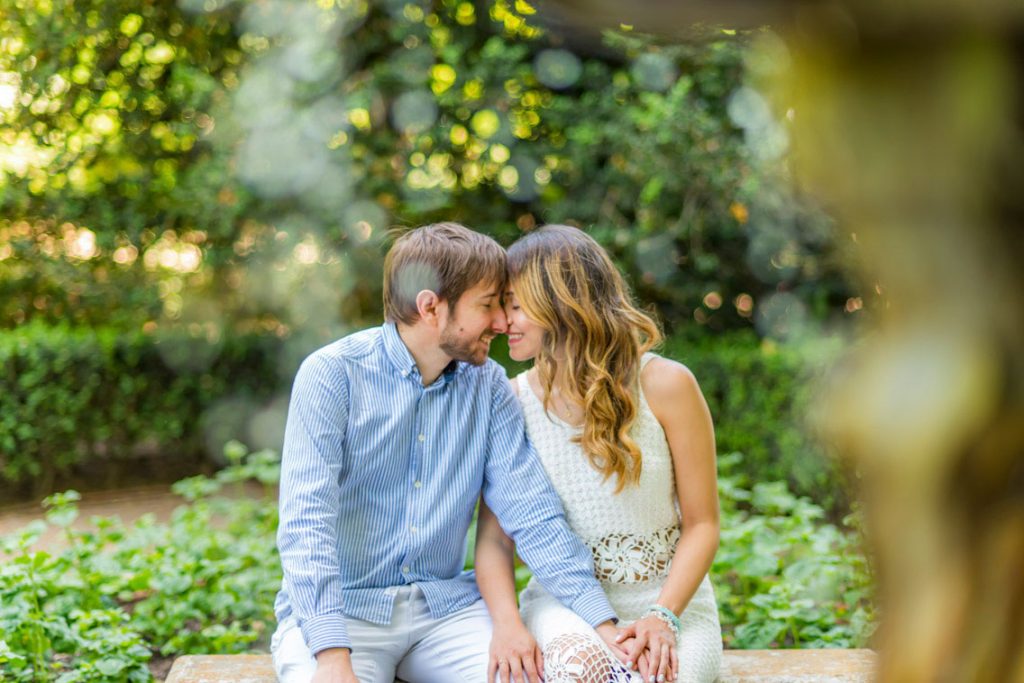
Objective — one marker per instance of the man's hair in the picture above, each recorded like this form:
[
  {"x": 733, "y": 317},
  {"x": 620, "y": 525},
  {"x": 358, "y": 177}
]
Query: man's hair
[{"x": 446, "y": 258}]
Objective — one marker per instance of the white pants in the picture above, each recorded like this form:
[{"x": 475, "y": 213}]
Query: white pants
[{"x": 415, "y": 647}]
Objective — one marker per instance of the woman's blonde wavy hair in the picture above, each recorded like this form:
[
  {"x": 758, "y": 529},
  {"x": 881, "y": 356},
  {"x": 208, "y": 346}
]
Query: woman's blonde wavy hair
[{"x": 594, "y": 337}]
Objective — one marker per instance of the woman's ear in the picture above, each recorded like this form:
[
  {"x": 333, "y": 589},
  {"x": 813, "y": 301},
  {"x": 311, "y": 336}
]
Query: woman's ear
[{"x": 427, "y": 304}]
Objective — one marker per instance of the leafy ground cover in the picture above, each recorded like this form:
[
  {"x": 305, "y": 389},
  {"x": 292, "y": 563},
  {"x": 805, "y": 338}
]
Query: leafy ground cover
[{"x": 119, "y": 602}]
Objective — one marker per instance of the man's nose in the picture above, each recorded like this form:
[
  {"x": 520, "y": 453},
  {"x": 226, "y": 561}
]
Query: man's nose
[{"x": 499, "y": 323}]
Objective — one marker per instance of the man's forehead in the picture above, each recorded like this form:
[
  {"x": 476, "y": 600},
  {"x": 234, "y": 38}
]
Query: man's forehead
[{"x": 483, "y": 290}]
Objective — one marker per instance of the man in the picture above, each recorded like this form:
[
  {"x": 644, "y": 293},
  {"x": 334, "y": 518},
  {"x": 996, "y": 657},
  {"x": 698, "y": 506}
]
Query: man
[{"x": 392, "y": 433}]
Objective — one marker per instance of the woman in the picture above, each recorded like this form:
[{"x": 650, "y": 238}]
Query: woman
[{"x": 627, "y": 440}]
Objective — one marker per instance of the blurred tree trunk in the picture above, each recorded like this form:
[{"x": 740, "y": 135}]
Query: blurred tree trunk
[
  {"x": 917, "y": 138},
  {"x": 909, "y": 120}
]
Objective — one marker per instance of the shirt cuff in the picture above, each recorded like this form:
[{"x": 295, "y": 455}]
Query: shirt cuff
[
  {"x": 594, "y": 608},
  {"x": 325, "y": 631}
]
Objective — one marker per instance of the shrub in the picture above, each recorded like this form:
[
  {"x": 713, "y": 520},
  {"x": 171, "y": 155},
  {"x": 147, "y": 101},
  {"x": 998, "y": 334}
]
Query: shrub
[
  {"x": 643, "y": 144},
  {"x": 760, "y": 395},
  {"x": 74, "y": 396}
]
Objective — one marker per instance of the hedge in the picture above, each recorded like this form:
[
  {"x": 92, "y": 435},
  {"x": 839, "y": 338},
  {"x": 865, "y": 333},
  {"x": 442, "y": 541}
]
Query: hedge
[
  {"x": 761, "y": 395},
  {"x": 75, "y": 397},
  {"x": 72, "y": 398}
]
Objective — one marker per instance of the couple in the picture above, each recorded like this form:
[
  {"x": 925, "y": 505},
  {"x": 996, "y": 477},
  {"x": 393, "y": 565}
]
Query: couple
[{"x": 394, "y": 432}]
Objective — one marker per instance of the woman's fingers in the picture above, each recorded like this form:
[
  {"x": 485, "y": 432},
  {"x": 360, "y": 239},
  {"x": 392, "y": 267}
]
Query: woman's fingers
[
  {"x": 675, "y": 662},
  {"x": 653, "y": 663},
  {"x": 540, "y": 662},
  {"x": 619, "y": 648},
  {"x": 663, "y": 667},
  {"x": 639, "y": 645}
]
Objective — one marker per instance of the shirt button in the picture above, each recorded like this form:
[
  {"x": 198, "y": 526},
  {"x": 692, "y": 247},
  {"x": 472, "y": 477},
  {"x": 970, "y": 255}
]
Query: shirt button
[
  {"x": 405, "y": 570},
  {"x": 413, "y": 529},
  {"x": 421, "y": 437},
  {"x": 417, "y": 484}
]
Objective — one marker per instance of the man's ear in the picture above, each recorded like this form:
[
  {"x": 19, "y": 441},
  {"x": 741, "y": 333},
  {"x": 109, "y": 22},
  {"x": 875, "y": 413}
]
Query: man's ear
[{"x": 428, "y": 305}]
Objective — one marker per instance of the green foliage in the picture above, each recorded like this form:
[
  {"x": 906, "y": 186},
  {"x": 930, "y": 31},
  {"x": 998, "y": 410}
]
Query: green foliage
[
  {"x": 116, "y": 596},
  {"x": 784, "y": 578},
  {"x": 161, "y": 155},
  {"x": 761, "y": 397},
  {"x": 71, "y": 395}
]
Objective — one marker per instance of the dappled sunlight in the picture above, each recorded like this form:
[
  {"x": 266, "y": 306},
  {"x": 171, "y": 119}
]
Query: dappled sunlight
[{"x": 198, "y": 194}]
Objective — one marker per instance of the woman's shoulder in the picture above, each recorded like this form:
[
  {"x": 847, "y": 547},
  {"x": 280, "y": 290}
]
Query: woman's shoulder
[
  {"x": 518, "y": 382},
  {"x": 668, "y": 384}
]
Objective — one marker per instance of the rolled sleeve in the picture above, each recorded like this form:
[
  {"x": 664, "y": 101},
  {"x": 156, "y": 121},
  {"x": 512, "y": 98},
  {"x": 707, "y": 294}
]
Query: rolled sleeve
[
  {"x": 307, "y": 538},
  {"x": 593, "y": 607},
  {"x": 519, "y": 492},
  {"x": 325, "y": 632}
]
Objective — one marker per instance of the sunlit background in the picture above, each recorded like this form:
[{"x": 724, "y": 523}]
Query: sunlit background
[
  {"x": 817, "y": 202},
  {"x": 200, "y": 171}
]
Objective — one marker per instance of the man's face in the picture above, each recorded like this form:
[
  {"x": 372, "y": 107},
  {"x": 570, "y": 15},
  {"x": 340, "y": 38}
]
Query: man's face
[{"x": 470, "y": 325}]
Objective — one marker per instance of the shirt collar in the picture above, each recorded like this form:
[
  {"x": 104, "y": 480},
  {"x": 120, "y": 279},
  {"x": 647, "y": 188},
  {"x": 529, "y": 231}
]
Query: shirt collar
[
  {"x": 396, "y": 350},
  {"x": 400, "y": 357}
]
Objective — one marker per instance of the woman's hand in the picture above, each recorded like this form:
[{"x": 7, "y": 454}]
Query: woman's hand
[
  {"x": 514, "y": 655},
  {"x": 651, "y": 644}
]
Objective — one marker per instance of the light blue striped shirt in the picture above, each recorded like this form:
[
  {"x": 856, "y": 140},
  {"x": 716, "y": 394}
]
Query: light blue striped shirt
[{"x": 380, "y": 476}]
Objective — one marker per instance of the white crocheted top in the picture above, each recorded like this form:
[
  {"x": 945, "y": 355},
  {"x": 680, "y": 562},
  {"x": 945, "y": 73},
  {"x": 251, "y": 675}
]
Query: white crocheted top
[{"x": 633, "y": 533}]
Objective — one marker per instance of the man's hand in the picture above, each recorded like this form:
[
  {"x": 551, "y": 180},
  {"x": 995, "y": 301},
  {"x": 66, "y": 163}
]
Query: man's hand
[
  {"x": 334, "y": 665},
  {"x": 610, "y": 635},
  {"x": 514, "y": 655}
]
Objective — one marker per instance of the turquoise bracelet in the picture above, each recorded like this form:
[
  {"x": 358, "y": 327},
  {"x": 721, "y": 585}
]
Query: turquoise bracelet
[{"x": 666, "y": 615}]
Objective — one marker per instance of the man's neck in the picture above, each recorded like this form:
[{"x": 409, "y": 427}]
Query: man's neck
[{"x": 422, "y": 344}]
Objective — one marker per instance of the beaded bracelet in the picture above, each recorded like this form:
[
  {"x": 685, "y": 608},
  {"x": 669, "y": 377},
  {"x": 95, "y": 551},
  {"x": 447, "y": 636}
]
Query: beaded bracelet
[{"x": 667, "y": 616}]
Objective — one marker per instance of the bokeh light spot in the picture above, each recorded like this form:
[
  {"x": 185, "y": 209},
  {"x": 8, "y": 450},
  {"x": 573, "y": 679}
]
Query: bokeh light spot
[
  {"x": 557, "y": 69},
  {"x": 414, "y": 112},
  {"x": 654, "y": 71},
  {"x": 485, "y": 123}
]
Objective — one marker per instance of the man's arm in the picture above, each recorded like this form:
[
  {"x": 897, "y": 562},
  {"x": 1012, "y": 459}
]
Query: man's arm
[
  {"x": 312, "y": 460},
  {"x": 514, "y": 650},
  {"x": 517, "y": 489}
]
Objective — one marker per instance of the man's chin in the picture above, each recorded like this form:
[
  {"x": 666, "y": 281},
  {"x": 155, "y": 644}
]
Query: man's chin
[
  {"x": 473, "y": 357},
  {"x": 481, "y": 357}
]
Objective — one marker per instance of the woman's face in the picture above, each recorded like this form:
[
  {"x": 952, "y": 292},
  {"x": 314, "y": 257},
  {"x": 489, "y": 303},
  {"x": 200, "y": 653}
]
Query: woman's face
[{"x": 524, "y": 335}]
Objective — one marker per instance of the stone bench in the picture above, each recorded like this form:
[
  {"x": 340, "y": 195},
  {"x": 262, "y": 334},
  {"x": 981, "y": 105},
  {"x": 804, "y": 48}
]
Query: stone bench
[{"x": 738, "y": 666}]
